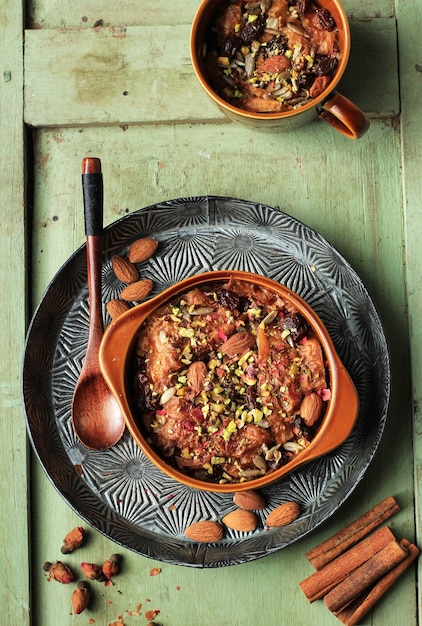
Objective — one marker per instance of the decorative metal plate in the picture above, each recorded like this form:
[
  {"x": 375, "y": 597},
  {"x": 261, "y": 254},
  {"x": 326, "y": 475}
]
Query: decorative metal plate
[{"x": 119, "y": 492}]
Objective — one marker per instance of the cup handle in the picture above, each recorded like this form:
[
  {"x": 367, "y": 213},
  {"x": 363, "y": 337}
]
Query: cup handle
[{"x": 343, "y": 115}]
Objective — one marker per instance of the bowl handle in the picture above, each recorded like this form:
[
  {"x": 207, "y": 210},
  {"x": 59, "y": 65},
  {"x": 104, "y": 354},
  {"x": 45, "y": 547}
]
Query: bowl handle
[
  {"x": 343, "y": 115},
  {"x": 336, "y": 429}
]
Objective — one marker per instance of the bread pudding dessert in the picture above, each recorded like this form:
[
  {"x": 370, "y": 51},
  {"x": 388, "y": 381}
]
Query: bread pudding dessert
[{"x": 229, "y": 381}]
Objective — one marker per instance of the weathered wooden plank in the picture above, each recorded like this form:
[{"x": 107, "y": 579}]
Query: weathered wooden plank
[
  {"x": 53, "y": 14},
  {"x": 143, "y": 74},
  {"x": 409, "y": 14},
  {"x": 14, "y": 510}
]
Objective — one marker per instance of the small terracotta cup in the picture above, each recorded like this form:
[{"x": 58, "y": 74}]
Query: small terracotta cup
[
  {"x": 115, "y": 358},
  {"x": 331, "y": 106}
]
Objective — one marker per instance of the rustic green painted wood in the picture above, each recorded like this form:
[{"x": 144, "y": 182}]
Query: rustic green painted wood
[
  {"x": 53, "y": 14},
  {"x": 143, "y": 74},
  {"x": 14, "y": 491},
  {"x": 362, "y": 196},
  {"x": 411, "y": 84}
]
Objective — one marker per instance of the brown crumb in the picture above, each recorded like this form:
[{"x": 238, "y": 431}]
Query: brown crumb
[
  {"x": 155, "y": 571},
  {"x": 151, "y": 615}
]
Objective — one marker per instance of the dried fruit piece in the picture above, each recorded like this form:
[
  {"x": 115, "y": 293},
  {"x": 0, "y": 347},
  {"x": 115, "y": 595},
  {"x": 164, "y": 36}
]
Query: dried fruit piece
[
  {"x": 73, "y": 540},
  {"x": 241, "y": 520},
  {"x": 310, "y": 408},
  {"x": 142, "y": 249},
  {"x": 124, "y": 269},
  {"x": 116, "y": 307},
  {"x": 238, "y": 343},
  {"x": 93, "y": 571},
  {"x": 283, "y": 514},
  {"x": 302, "y": 6},
  {"x": 80, "y": 598},
  {"x": 249, "y": 500},
  {"x": 59, "y": 571},
  {"x": 111, "y": 567},
  {"x": 325, "y": 19},
  {"x": 206, "y": 531},
  {"x": 137, "y": 291},
  {"x": 196, "y": 376}
]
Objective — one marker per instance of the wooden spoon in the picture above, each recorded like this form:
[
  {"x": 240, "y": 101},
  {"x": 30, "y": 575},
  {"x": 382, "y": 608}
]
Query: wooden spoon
[{"x": 96, "y": 417}]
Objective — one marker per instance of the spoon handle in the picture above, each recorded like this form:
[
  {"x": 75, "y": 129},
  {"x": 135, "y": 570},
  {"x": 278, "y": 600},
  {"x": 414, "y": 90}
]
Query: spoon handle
[{"x": 92, "y": 188}]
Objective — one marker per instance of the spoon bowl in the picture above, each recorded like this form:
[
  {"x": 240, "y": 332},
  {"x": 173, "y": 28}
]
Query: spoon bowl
[{"x": 96, "y": 416}]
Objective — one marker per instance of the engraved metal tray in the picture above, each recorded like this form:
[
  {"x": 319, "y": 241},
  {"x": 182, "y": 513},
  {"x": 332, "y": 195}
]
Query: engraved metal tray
[{"x": 119, "y": 492}]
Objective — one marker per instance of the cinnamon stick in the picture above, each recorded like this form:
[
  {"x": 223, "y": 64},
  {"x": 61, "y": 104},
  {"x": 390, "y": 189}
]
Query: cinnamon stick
[
  {"x": 364, "y": 603},
  {"x": 321, "y": 582},
  {"x": 352, "y": 533},
  {"x": 364, "y": 576}
]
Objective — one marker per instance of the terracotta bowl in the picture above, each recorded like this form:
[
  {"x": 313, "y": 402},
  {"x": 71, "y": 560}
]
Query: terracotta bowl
[
  {"x": 116, "y": 353},
  {"x": 330, "y": 105}
]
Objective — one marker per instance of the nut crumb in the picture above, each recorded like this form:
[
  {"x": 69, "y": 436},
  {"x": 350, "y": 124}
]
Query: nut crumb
[
  {"x": 155, "y": 571},
  {"x": 151, "y": 615}
]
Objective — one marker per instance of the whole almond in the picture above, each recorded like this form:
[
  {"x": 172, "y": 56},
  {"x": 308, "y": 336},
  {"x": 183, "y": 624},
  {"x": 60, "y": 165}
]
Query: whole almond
[
  {"x": 249, "y": 500},
  {"x": 283, "y": 514},
  {"x": 124, "y": 269},
  {"x": 137, "y": 291},
  {"x": 310, "y": 408},
  {"x": 238, "y": 343},
  {"x": 240, "y": 519},
  {"x": 196, "y": 376},
  {"x": 205, "y": 531},
  {"x": 116, "y": 307},
  {"x": 142, "y": 249}
]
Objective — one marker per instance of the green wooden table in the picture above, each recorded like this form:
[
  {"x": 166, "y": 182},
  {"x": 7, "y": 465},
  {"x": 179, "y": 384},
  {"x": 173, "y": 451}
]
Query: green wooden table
[{"x": 115, "y": 81}]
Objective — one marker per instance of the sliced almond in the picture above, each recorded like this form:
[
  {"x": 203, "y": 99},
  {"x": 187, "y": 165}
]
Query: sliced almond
[
  {"x": 142, "y": 249},
  {"x": 284, "y": 514},
  {"x": 241, "y": 520},
  {"x": 206, "y": 531},
  {"x": 124, "y": 269},
  {"x": 116, "y": 307},
  {"x": 249, "y": 500},
  {"x": 137, "y": 291}
]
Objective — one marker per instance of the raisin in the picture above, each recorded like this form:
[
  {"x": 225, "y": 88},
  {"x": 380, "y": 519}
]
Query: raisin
[
  {"x": 232, "y": 45},
  {"x": 296, "y": 324},
  {"x": 325, "y": 65},
  {"x": 326, "y": 19},
  {"x": 277, "y": 45},
  {"x": 306, "y": 80},
  {"x": 250, "y": 398},
  {"x": 253, "y": 30},
  {"x": 228, "y": 299},
  {"x": 302, "y": 6}
]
